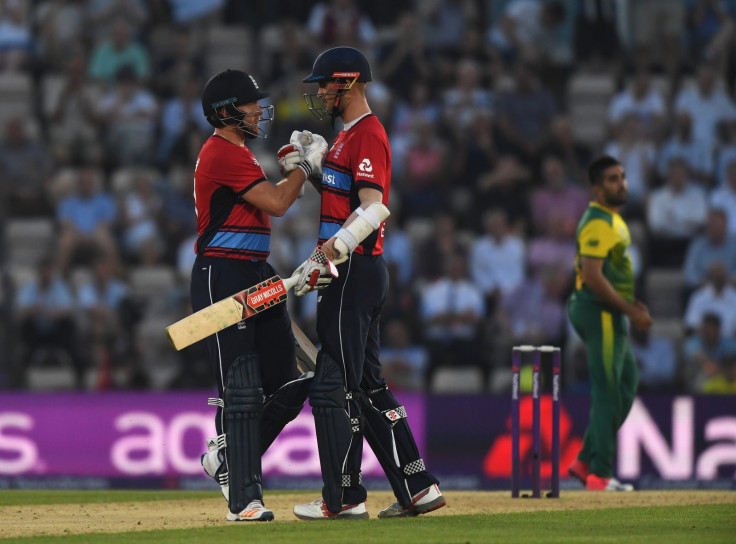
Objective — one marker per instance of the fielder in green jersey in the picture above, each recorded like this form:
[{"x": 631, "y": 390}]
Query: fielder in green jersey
[{"x": 599, "y": 307}]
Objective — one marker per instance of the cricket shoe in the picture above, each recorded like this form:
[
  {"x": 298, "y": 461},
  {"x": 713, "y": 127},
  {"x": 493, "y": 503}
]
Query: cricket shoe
[
  {"x": 579, "y": 470},
  {"x": 426, "y": 500},
  {"x": 213, "y": 463},
  {"x": 255, "y": 511},
  {"x": 318, "y": 510},
  {"x": 596, "y": 483}
]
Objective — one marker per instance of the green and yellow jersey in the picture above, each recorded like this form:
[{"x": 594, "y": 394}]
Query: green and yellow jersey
[{"x": 603, "y": 234}]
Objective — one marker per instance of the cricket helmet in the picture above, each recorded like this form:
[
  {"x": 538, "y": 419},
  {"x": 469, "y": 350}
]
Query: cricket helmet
[
  {"x": 228, "y": 90},
  {"x": 342, "y": 66}
]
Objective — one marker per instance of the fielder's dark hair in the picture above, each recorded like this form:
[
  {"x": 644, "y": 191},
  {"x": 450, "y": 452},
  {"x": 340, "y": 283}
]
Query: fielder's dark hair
[{"x": 598, "y": 166}]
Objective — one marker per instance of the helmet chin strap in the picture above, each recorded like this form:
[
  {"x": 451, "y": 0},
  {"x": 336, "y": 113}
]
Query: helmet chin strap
[{"x": 335, "y": 113}]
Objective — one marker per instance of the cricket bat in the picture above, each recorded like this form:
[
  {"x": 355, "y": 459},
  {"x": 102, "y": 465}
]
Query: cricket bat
[
  {"x": 306, "y": 353},
  {"x": 229, "y": 311}
]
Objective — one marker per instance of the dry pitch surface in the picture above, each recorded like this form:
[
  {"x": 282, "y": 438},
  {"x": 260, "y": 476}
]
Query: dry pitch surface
[{"x": 117, "y": 517}]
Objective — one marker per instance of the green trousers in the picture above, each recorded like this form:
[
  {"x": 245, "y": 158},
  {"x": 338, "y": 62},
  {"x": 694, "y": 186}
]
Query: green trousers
[{"x": 614, "y": 378}]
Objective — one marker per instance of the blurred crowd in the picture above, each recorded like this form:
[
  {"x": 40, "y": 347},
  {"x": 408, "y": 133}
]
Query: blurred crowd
[{"x": 493, "y": 110}]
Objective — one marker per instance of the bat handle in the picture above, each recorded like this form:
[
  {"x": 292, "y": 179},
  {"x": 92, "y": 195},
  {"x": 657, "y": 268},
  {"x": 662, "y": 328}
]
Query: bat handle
[{"x": 290, "y": 281}]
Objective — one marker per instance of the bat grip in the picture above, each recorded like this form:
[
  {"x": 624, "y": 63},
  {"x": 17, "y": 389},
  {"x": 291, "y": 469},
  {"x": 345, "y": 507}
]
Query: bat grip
[{"x": 290, "y": 281}]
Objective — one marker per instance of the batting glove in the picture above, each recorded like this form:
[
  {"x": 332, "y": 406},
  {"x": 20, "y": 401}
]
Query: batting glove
[
  {"x": 315, "y": 273},
  {"x": 315, "y": 149},
  {"x": 289, "y": 156}
]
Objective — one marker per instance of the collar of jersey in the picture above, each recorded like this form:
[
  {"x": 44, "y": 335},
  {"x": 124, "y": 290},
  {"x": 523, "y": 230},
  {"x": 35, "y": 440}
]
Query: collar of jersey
[{"x": 351, "y": 124}]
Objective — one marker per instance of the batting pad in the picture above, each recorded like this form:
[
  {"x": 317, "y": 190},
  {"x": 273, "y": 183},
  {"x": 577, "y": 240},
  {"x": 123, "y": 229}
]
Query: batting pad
[
  {"x": 389, "y": 436},
  {"x": 283, "y": 406},
  {"x": 333, "y": 427},
  {"x": 243, "y": 399}
]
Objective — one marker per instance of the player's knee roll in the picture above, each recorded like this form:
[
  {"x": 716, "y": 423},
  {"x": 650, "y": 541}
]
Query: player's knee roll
[
  {"x": 327, "y": 389},
  {"x": 243, "y": 392}
]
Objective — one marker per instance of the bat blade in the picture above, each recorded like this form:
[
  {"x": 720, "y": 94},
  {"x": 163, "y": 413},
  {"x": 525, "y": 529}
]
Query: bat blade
[
  {"x": 229, "y": 311},
  {"x": 306, "y": 353}
]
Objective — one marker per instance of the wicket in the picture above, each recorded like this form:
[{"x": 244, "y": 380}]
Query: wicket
[{"x": 536, "y": 352}]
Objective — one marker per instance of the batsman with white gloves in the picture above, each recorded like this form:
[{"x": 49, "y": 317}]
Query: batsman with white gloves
[
  {"x": 348, "y": 395},
  {"x": 259, "y": 386}
]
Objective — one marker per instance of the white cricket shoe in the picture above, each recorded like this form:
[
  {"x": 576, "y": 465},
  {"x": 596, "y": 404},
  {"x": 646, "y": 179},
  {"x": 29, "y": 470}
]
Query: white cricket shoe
[
  {"x": 255, "y": 511},
  {"x": 426, "y": 500},
  {"x": 596, "y": 483},
  {"x": 213, "y": 463},
  {"x": 318, "y": 510}
]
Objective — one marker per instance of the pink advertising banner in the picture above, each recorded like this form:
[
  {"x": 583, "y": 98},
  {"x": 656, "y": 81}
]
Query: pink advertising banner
[{"x": 143, "y": 435}]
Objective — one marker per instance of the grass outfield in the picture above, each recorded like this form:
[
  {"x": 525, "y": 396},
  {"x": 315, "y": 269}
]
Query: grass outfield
[{"x": 112, "y": 517}]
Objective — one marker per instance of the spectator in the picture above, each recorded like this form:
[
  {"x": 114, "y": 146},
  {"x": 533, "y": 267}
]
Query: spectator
[
  {"x": 657, "y": 361},
  {"x": 716, "y": 296},
  {"x": 448, "y": 22},
  {"x": 563, "y": 143},
  {"x": 404, "y": 60},
  {"x": 559, "y": 197},
  {"x": 466, "y": 98},
  {"x": 195, "y": 12},
  {"x": 675, "y": 213},
  {"x": 140, "y": 209},
  {"x": 16, "y": 41},
  {"x": 86, "y": 218},
  {"x": 497, "y": 258},
  {"x": 397, "y": 249},
  {"x": 709, "y": 106},
  {"x": 418, "y": 106},
  {"x": 423, "y": 185},
  {"x": 72, "y": 115},
  {"x": 714, "y": 245},
  {"x": 118, "y": 50},
  {"x": 444, "y": 242},
  {"x": 176, "y": 63},
  {"x": 340, "y": 22},
  {"x": 723, "y": 382},
  {"x": 179, "y": 113},
  {"x": 682, "y": 145},
  {"x": 128, "y": 114},
  {"x": 103, "y": 16},
  {"x": 404, "y": 362},
  {"x": 639, "y": 98},
  {"x": 704, "y": 351},
  {"x": 724, "y": 197},
  {"x": 597, "y": 41},
  {"x": 526, "y": 30},
  {"x": 710, "y": 33},
  {"x": 452, "y": 310},
  {"x": 104, "y": 299},
  {"x": 474, "y": 152},
  {"x": 637, "y": 155},
  {"x": 554, "y": 247},
  {"x": 657, "y": 28},
  {"x": 25, "y": 171},
  {"x": 534, "y": 311},
  {"x": 525, "y": 115},
  {"x": 505, "y": 186},
  {"x": 58, "y": 25},
  {"x": 45, "y": 307}
]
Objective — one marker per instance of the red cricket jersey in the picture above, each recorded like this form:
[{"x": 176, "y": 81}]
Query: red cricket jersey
[
  {"x": 227, "y": 225},
  {"x": 360, "y": 157}
]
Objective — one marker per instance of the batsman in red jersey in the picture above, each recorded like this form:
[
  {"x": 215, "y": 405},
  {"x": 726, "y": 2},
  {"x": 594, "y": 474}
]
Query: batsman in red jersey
[
  {"x": 259, "y": 387},
  {"x": 348, "y": 395}
]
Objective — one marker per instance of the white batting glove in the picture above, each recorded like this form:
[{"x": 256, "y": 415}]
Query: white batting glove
[
  {"x": 315, "y": 149},
  {"x": 315, "y": 273},
  {"x": 289, "y": 156}
]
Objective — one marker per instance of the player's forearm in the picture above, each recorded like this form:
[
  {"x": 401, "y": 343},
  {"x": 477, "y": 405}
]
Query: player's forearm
[
  {"x": 601, "y": 288},
  {"x": 287, "y": 192}
]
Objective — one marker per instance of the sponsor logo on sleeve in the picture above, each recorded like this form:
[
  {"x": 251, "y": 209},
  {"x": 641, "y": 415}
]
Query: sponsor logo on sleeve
[{"x": 365, "y": 168}]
